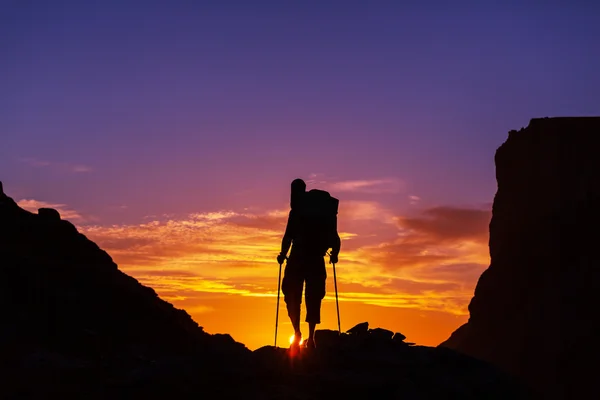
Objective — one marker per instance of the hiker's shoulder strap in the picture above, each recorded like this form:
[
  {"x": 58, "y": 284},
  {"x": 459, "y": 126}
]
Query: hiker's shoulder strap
[{"x": 292, "y": 222}]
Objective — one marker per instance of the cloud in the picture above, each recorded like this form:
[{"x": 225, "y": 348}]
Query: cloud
[
  {"x": 365, "y": 210},
  {"x": 316, "y": 179},
  {"x": 429, "y": 260},
  {"x": 80, "y": 168},
  {"x": 449, "y": 223},
  {"x": 61, "y": 166},
  {"x": 368, "y": 186},
  {"x": 200, "y": 309},
  {"x": 374, "y": 186},
  {"x": 441, "y": 244},
  {"x": 65, "y": 212},
  {"x": 414, "y": 200},
  {"x": 201, "y": 240}
]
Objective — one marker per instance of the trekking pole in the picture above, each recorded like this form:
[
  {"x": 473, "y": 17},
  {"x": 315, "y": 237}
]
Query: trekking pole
[
  {"x": 337, "y": 305},
  {"x": 277, "y": 313}
]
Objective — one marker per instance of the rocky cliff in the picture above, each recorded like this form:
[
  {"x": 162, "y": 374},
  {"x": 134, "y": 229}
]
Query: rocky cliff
[
  {"x": 535, "y": 309},
  {"x": 64, "y": 305}
]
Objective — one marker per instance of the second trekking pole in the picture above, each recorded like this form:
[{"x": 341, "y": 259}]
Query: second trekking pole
[
  {"x": 277, "y": 313},
  {"x": 337, "y": 305}
]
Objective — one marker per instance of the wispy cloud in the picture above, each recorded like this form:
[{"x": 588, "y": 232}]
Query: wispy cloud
[
  {"x": 357, "y": 210},
  {"x": 449, "y": 223},
  {"x": 65, "y": 212},
  {"x": 80, "y": 168},
  {"x": 373, "y": 186},
  {"x": 442, "y": 244},
  {"x": 429, "y": 261},
  {"x": 62, "y": 166},
  {"x": 414, "y": 200},
  {"x": 316, "y": 179}
]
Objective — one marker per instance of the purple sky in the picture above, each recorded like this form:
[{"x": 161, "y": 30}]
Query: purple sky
[{"x": 187, "y": 106}]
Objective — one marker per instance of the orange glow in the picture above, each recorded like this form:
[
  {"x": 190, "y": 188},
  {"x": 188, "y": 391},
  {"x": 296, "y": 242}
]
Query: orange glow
[
  {"x": 411, "y": 274},
  {"x": 292, "y": 340}
]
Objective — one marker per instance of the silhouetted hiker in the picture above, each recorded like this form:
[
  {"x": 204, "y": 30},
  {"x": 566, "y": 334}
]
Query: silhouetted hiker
[{"x": 312, "y": 229}]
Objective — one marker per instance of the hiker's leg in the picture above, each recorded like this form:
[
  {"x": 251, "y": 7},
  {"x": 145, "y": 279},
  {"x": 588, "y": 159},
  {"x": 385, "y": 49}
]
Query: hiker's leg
[
  {"x": 311, "y": 331},
  {"x": 292, "y": 293},
  {"x": 315, "y": 292}
]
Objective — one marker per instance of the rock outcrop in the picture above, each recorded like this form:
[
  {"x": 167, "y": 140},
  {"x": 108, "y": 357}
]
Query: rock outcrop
[
  {"x": 371, "y": 364},
  {"x": 64, "y": 302},
  {"x": 360, "y": 337},
  {"x": 535, "y": 309},
  {"x": 74, "y": 326}
]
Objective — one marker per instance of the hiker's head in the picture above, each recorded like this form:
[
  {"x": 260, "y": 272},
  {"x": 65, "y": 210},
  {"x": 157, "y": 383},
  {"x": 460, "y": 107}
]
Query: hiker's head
[
  {"x": 298, "y": 186},
  {"x": 298, "y": 189}
]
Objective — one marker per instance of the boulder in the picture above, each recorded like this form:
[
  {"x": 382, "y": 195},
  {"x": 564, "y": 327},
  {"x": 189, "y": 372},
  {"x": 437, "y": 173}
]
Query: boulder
[
  {"x": 381, "y": 334},
  {"x": 359, "y": 329},
  {"x": 326, "y": 338},
  {"x": 49, "y": 214}
]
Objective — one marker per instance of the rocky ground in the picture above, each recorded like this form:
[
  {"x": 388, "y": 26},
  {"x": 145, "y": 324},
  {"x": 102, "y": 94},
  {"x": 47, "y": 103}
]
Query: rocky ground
[{"x": 352, "y": 365}]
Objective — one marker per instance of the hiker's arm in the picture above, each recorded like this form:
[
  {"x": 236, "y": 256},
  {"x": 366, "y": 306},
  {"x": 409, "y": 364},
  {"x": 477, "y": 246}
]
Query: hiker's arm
[
  {"x": 335, "y": 249},
  {"x": 286, "y": 242}
]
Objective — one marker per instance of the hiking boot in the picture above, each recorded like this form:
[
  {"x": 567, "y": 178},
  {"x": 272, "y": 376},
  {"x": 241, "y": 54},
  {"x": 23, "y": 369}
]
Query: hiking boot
[
  {"x": 310, "y": 343},
  {"x": 297, "y": 340}
]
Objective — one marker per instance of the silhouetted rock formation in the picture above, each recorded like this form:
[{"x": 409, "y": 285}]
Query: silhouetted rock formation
[
  {"x": 369, "y": 363},
  {"x": 63, "y": 302},
  {"x": 535, "y": 309},
  {"x": 74, "y": 326},
  {"x": 360, "y": 336}
]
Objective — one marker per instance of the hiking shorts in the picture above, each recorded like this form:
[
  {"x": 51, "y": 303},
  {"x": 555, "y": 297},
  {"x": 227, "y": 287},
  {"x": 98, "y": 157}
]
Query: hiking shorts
[{"x": 298, "y": 270}]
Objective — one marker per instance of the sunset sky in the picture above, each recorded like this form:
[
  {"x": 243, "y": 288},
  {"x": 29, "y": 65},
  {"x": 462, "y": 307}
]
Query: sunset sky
[{"x": 169, "y": 132}]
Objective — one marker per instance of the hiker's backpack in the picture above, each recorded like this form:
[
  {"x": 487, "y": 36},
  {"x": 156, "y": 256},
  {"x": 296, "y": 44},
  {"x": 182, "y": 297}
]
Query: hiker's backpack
[{"x": 318, "y": 218}]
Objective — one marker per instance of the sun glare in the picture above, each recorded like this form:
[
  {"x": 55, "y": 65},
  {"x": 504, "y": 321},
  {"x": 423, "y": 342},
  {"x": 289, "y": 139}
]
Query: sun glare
[{"x": 292, "y": 340}]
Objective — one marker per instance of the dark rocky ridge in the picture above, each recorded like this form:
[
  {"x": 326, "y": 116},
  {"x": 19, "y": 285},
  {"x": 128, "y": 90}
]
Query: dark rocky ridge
[
  {"x": 535, "y": 309},
  {"x": 74, "y": 326}
]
